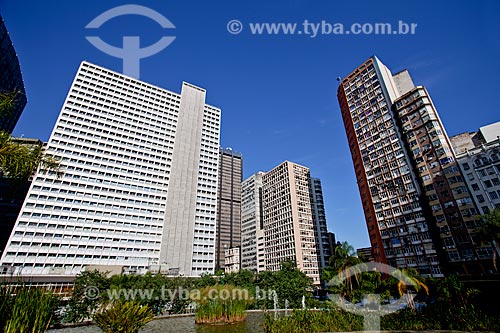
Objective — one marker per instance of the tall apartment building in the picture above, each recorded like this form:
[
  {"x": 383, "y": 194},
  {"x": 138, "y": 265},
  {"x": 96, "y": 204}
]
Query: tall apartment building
[
  {"x": 252, "y": 224},
  {"x": 480, "y": 165},
  {"x": 452, "y": 211},
  {"x": 228, "y": 230},
  {"x": 290, "y": 230},
  {"x": 418, "y": 211},
  {"x": 140, "y": 181},
  {"x": 10, "y": 79},
  {"x": 389, "y": 190}
]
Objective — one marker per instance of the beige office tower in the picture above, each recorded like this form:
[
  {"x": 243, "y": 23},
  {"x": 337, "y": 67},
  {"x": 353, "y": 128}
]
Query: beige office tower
[{"x": 289, "y": 225}]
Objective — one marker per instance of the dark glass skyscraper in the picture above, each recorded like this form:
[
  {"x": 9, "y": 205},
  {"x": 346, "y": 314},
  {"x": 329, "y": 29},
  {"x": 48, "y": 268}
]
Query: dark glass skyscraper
[
  {"x": 12, "y": 195},
  {"x": 10, "y": 79}
]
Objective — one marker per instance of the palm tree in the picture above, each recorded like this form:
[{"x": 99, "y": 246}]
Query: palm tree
[
  {"x": 489, "y": 232},
  {"x": 7, "y": 102},
  {"x": 20, "y": 162},
  {"x": 409, "y": 277},
  {"x": 17, "y": 161},
  {"x": 344, "y": 265}
]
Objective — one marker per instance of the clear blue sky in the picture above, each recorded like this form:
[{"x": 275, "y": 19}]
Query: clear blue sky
[{"x": 277, "y": 93}]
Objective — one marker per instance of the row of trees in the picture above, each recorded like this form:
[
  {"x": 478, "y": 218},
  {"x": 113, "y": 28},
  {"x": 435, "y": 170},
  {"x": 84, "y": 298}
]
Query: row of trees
[
  {"x": 358, "y": 282},
  {"x": 287, "y": 287},
  {"x": 169, "y": 294}
]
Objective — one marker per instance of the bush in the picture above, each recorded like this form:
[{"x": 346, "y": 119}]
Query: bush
[
  {"x": 32, "y": 311},
  {"x": 123, "y": 317},
  {"x": 81, "y": 306},
  {"x": 302, "y": 321},
  {"x": 437, "y": 316},
  {"x": 6, "y": 302},
  {"x": 212, "y": 308}
]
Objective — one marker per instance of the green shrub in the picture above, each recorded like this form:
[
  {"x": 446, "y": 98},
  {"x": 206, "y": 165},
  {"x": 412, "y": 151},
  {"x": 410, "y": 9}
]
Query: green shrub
[
  {"x": 6, "y": 302},
  {"x": 433, "y": 317},
  {"x": 123, "y": 317},
  {"x": 32, "y": 311},
  {"x": 302, "y": 321},
  {"x": 212, "y": 309}
]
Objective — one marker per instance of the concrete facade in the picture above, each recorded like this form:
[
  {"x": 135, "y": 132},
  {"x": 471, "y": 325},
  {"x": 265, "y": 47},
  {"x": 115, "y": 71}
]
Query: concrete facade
[
  {"x": 481, "y": 169},
  {"x": 139, "y": 186},
  {"x": 390, "y": 193},
  {"x": 418, "y": 211},
  {"x": 252, "y": 228},
  {"x": 453, "y": 215},
  {"x": 289, "y": 225}
]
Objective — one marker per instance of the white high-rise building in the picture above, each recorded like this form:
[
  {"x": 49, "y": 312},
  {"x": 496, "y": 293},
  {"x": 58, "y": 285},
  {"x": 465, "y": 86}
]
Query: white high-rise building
[
  {"x": 252, "y": 227},
  {"x": 139, "y": 185}
]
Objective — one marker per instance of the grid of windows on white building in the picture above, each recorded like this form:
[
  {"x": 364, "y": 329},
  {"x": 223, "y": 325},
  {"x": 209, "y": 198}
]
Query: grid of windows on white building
[
  {"x": 123, "y": 145},
  {"x": 481, "y": 168},
  {"x": 252, "y": 232}
]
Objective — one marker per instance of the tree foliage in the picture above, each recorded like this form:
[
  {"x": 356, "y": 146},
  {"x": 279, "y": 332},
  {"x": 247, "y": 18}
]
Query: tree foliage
[
  {"x": 19, "y": 162},
  {"x": 489, "y": 232},
  {"x": 8, "y": 102},
  {"x": 123, "y": 317},
  {"x": 87, "y": 297},
  {"x": 289, "y": 283}
]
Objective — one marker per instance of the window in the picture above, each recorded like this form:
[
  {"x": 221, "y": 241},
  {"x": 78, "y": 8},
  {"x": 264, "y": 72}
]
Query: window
[
  {"x": 453, "y": 255},
  {"x": 448, "y": 241},
  {"x": 488, "y": 183},
  {"x": 480, "y": 198},
  {"x": 475, "y": 187},
  {"x": 448, "y": 204},
  {"x": 465, "y": 166},
  {"x": 436, "y": 207},
  {"x": 493, "y": 195}
]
